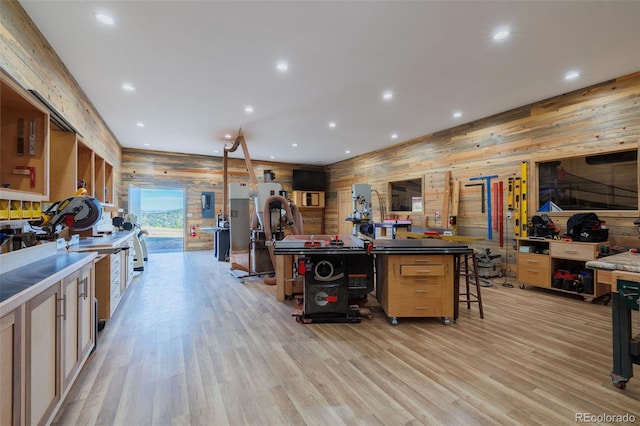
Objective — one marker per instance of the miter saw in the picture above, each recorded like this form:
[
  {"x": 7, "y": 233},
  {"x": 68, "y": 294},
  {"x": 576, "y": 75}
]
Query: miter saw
[{"x": 77, "y": 213}]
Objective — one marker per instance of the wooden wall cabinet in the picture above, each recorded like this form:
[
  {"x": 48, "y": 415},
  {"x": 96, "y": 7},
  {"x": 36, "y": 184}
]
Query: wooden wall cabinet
[
  {"x": 24, "y": 152},
  {"x": 538, "y": 260},
  {"x": 415, "y": 286},
  {"x": 38, "y": 164},
  {"x": 73, "y": 161}
]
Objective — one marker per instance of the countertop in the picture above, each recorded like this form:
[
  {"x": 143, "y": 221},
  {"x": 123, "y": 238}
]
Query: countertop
[
  {"x": 106, "y": 241},
  {"x": 353, "y": 245},
  {"x": 20, "y": 284},
  {"x": 627, "y": 261}
]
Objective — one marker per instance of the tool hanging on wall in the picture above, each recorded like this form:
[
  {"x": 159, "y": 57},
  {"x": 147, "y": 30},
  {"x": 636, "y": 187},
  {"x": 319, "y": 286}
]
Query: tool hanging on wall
[
  {"x": 510, "y": 188},
  {"x": 481, "y": 194},
  {"x": 523, "y": 202},
  {"x": 489, "y": 212},
  {"x": 32, "y": 137},
  {"x": 455, "y": 206},
  {"x": 20, "y": 146},
  {"x": 516, "y": 205},
  {"x": 447, "y": 195},
  {"x": 501, "y": 212}
]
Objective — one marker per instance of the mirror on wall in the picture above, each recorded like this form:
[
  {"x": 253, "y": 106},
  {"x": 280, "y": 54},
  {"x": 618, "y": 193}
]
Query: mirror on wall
[
  {"x": 592, "y": 182},
  {"x": 406, "y": 195}
]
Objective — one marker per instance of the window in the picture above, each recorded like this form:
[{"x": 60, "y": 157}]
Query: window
[
  {"x": 593, "y": 182},
  {"x": 406, "y": 195}
]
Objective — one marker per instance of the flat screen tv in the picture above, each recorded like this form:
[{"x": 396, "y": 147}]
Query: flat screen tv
[{"x": 309, "y": 180}]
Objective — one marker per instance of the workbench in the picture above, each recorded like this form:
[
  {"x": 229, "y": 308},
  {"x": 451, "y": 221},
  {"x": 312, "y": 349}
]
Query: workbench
[
  {"x": 625, "y": 289},
  {"x": 414, "y": 278}
]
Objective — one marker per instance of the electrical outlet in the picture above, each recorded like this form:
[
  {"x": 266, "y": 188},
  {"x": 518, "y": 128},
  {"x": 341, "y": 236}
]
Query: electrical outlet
[
  {"x": 437, "y": 215},
  {"x": 509, "y": 215}
]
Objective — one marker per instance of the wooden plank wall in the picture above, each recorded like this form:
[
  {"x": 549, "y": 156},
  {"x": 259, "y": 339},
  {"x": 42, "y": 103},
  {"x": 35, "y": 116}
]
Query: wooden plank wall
[
  {"x": 197, "y": 174},
  {"x": 601, "y": 118},
  {"x": 31, "y": 61}
]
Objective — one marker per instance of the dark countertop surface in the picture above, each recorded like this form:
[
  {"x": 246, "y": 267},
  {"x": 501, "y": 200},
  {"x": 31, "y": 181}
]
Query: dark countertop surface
[
  {"x": 380, "y": 246},
  {"x": 20, "y": 279}
]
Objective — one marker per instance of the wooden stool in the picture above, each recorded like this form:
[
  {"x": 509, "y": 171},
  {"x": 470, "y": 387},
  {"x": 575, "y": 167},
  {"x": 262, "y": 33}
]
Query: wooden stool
[{"x": 471, "y": 277}]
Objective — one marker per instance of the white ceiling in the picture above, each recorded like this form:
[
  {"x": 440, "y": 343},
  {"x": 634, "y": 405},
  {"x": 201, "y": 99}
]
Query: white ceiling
[{"x": 197, "y": 64}]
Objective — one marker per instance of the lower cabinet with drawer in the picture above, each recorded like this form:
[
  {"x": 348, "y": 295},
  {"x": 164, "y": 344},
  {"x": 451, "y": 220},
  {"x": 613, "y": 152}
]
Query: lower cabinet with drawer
[
  {"x": 108, "y": 284},
  {"x": 415, "y": 286},
  {"x": 560, "y": 265}
]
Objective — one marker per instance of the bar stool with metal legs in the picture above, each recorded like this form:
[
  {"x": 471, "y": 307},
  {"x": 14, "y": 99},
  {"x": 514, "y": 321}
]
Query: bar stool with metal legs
[{"x": 471, "y": 278}]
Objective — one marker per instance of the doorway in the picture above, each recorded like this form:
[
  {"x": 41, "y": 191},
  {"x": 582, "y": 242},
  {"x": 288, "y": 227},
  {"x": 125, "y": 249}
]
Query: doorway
[{"x": 160, "y": 213}]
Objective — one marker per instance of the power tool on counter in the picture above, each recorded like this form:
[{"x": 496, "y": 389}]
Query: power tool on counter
[{"x": 77, "y": 212}]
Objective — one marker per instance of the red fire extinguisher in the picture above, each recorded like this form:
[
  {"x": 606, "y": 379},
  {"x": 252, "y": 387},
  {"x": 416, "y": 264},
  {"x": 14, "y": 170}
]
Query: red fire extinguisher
[{"x": 193, "y": 231}]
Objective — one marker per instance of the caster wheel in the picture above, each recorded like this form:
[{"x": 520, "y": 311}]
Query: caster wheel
[
  {"x": 620, "y": 385},
  {"x": 446, "y": 320},
  {"x": 521, "y": 285},
  {"x": 588, "y": 299},
  {"x": 298, "y": 319},
  {"x": 394, "y": 321}
]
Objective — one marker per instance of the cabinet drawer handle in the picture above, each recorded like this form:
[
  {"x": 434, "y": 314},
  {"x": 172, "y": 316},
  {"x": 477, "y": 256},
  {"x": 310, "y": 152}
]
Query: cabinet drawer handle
[
  {"x": 571, "y": 251},
  {"x": 532, "y": 261},
  {"x": 421, "y": 308},
  {"x": 422, "y": 291},
  {"x": 422, "y": 260},
  {"x": 83, "y": 288},
  {"x": 63, "y": 299},
  {"x": 424, "y": 271},
  {"x": 535, "y": 271},
  {"x": 421, "y": 279}
]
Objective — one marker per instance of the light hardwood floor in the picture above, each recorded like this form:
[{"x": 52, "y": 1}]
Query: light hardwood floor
[{"x": 191, "y": 345}]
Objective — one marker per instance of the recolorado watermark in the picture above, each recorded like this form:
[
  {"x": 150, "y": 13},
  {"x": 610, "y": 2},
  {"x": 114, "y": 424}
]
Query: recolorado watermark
[{"x": 605, "y": 418}]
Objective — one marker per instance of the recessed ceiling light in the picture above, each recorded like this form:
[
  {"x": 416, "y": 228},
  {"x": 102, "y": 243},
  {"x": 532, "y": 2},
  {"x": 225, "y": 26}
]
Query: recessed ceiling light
[
  {"x": 388, "y": 95},
  {"x": 282, "y": 66},
  {"x": 146, "y": 144},
  {"x": 128, "y": 87},
  {"x": 295, "y": 145},
  {"x": 501, "y": 34},
  {"x": 394, "y": 136},
  {"x": 272, "y": 157},
  {"x": 457, "y": 114},
  {"x": 248, "y": 109},
  {"x": 140, "y": 124},
  {"x": 227, "y": 136},
  {"x": 332, "y": 124},
  {"x": 572, "y": 75},
  {"x": 347, "y": 152},
  {"x": 215, "y": 151},
  {"x": 105, "y": 19}
]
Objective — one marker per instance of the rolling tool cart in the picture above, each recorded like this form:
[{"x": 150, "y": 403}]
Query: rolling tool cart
[{"x": 626, "y": 349}]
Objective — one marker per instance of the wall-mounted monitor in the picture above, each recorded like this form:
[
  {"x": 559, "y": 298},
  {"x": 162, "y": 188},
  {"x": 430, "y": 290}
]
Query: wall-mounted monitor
[{"x": 309, "y": 180}]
